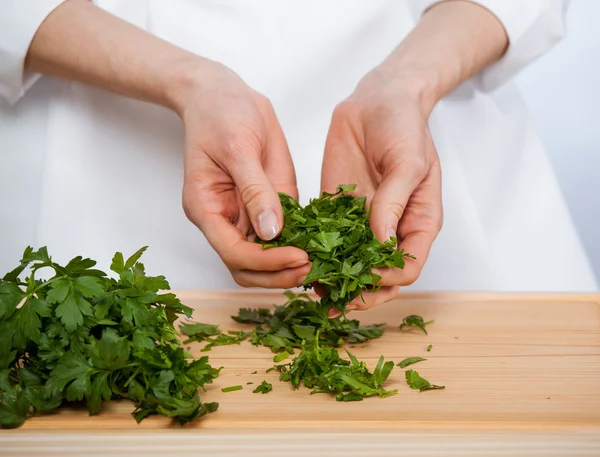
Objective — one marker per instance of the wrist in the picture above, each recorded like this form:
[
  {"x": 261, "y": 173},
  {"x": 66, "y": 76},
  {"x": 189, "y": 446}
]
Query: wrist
[
  {"x": 409, "y": 81},
  {"x": 186, "y": 76}
]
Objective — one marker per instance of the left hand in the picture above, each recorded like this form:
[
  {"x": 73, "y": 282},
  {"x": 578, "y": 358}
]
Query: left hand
[{"x": 379, "y": 139}]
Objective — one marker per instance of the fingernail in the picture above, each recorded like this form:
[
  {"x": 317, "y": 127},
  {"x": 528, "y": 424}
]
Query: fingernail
[
  {"x": 301, "y": 280},
  {"x": 296, "y": 264},
  {"x": 268, "y": 226}
]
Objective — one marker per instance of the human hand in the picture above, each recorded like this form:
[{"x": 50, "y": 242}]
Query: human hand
[
  {"x": 380, "y": 140},
  {"x": 236, "y": 160}
]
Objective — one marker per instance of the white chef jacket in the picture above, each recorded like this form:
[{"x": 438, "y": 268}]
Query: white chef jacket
[{"x": 87, "y": 172}]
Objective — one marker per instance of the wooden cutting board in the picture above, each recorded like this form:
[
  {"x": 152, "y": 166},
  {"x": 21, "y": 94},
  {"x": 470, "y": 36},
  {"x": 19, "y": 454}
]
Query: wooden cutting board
[{"x": 522, "y": 374}]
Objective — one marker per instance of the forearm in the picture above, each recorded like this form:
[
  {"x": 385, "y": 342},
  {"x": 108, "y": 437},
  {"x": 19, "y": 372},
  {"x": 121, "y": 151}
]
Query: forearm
[
  {"x": 83, "y": 43},
  {"x": 453, "y": 41}
]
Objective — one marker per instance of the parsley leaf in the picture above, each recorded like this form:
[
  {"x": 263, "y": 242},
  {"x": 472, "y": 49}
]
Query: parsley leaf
[
  {"x": 410, "y": 361},
  {"x": 263, "y": 388},
  {"x": 226, "y": 339},
  {"x": 198, "y": 332},
  {"x": 415, "y": 321},
  {"x": 417, "y": 382}
]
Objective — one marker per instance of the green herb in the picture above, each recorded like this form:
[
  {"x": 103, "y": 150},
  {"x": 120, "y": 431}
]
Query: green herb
[
  {"x": 414, "y": 321},
  {"x": 298, "y": 320},
  {"x": 252, "y": 316},
  {"x": 429, "y": 347},
  {"x": 254, "y": 372},
  {"x": 334, "y": 230},
  {"x": 198, "y": 331},
  {"x": 281, "y": 356},
  {"x": 417, "y": 382},
  {"x": 212, "y": 335},
  {"x": 231, "y": 388},
  {"x": 226, "y": 339},
  {"x": 248, "y": 383},
  {"x": 323, "y": 370},
  {"x": 81, "y": 335},
  {"x": 410, "y": 361},
  {"x": 263, "y": 388}
]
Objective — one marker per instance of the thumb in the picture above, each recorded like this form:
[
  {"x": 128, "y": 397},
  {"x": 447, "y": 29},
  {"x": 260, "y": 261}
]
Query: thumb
[
  {"x": 391, "y": 198},
  {"x": 259, "y": 197}
]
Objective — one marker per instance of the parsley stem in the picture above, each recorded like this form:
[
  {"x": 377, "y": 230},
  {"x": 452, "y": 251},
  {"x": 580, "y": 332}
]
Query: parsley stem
[
  {"x": 231, "y": 388},
  {"x": 135, "y": 373},
  {"x": 42, "y": 285}
]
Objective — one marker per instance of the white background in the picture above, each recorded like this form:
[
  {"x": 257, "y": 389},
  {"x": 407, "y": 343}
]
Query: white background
[{"x": 562, "y": 90}]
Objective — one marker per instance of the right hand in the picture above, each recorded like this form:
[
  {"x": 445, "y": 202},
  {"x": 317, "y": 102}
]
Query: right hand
[{"x": 236, "y": 160}]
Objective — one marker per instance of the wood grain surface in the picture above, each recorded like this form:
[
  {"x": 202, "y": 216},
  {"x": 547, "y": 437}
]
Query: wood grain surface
[{"x": 521, "y": 371}]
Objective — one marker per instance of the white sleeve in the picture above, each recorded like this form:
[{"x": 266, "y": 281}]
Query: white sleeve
[
  {"x": 532, "y": 26},
  {"x": 19, "y": 21}
]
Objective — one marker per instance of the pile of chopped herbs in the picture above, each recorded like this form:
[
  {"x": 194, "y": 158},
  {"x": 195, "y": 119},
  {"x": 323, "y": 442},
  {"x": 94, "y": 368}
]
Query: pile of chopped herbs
[
  {"x": 83, "y": 336},
  {"x": 303, "y": 323},
  {"x": 300, "y": 320},
  {"x": 334, "y": 230},
  {"x": 323, "y": 370},
  {"x": 285, "y": 327}
]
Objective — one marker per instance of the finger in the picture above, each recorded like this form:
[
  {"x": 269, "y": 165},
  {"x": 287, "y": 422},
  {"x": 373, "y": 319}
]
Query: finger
[
  {"x": 284, "y": 279},
  {"x": 344, "y": 161},
  {"x": 240, "y": 254},
  {"x": 243, "y": 163},
  {"x": 277, "y": 162},
  {"x": 417, "y": 244},
  {"x": 392, "y": 195},
  {"x": 371, "y": 299},
  {"x": 418, "y": 231}
]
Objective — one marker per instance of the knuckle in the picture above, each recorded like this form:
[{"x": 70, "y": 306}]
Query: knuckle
[
  {"x": 253, "y": 194},
  {"x": 264, "y": 103},
  {"x": 189, "y": 202},
  {"x": 397, "y": 160},
  {"x": 411, "y": 275},
  {"x": 187, "y": 208},
  {"x": 440, "y": 224},
  {"x": 345, "y": 109},
  {"x": 231, "y": 261},
  {"x": 396, "y": 208},
  {"x": 233, "y": 147},
  {"x": 386, "y": 208},
  {"x": 238, "y": 142},
  {"x": 417, "y": 164},
  {"x": 239, "y": 278}
]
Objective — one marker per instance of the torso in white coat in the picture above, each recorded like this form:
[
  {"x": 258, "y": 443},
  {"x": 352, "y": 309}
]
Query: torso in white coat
[{"x": 86, "y": 172}]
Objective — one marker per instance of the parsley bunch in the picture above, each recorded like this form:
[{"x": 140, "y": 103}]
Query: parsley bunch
[
  {"x": 323, "y": 370},
  {"x": 334, "y": 230},
  {"x": 82, "y": 336},
  {"x": 302, "y": 319}
]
